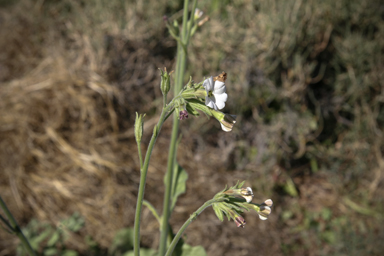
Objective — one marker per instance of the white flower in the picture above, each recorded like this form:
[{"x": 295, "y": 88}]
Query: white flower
[
  {"x": 198, "y": 13},
  {"x": 216, "y": 96},
  {"x": 264, "y": 212},
  {"x": 247, "y": 194}
]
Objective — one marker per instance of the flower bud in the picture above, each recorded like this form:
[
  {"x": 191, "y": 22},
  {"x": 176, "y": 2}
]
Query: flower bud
[
  {"x": 198, "y": 14},
  {"x": 240, "y": 221},
  {"x": 264, "y": 212},
  {"x": 183, "y": 114},
  {"x": 139, "y": 127},
  {"x": 165, "y": 84},
  {"x": 246, "y": 193},
  {"x": 268, "y": 203}
]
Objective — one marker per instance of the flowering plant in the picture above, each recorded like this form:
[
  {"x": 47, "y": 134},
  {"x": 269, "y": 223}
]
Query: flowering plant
[{"x": 209, "y": 97}]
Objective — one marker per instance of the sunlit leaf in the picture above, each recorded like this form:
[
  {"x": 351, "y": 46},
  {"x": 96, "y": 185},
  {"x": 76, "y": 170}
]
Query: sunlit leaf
[
  {"x": 188, "y": 250},
  {"x": 143, "y": 252}
]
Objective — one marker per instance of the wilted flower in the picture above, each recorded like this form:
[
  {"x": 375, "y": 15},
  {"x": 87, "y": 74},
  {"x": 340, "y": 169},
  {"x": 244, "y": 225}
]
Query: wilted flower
[{"x": 216, "y": 96}]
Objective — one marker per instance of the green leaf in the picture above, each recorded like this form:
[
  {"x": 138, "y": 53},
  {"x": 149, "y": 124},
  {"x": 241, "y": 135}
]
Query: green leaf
[
  {"x": 74, "y": 223},
  {"x": 191, "y": 110},
  {"x": 218, "y": 212},
  {"x": 290, "y": 188},
  {"x": 122, "y": 242},
  {"x": 241, "y": 184},
  {"x": 51, "y": 251},
  {"x": 54, "y": 239},
  {"x": 180, "y": 177},
  {"x": 69, "y": 253},
  {"x": 193, "y": 250},
  {"x": 143, "y": 252},
  {"x": 46, "y": 233}
]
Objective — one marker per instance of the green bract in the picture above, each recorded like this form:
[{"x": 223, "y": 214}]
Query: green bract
[
  {"x": 165, "y": 84},
  {"x": 139, "y": 127}
]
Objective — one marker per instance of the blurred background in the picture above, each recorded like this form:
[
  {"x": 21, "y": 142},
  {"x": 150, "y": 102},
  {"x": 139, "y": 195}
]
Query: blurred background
[{"x": 304, "y": 77}]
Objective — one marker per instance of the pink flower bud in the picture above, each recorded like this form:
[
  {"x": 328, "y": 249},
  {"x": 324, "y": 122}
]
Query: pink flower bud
[
  {"x": 240, "y": 221},
  {"x": 183, "y": 114}
]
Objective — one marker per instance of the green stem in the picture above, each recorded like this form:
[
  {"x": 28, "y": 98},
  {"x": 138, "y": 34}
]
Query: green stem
[
  {"x": 186, "y": 224},
  {"x": 143, "y": 178},
  {"x": 16, "y": 228},
  {"x": 165, "y": 100},
  {"x": 168, "y": 188},
  {"x": 140, "y": 155},
  {"x": 191, "y": 22},
  {"x": 181, "y": 60},
  {"x": 185, "y": 21}
]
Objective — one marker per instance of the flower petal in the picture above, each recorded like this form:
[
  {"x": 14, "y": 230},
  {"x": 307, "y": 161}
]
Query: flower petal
[
  {"x": 264, "y": 212},
  {"x": 225, "y": 128},
  {"x": 262, "y": 217},
  {"x": 210, "y": 103},
  {"x": 268, "y": 203},
  {"x": 219, "y": 90},
  {"x": 220, "y": 100},
  {"x": 208, "y": 84},
  {"x": 219, "y": 87},
  {"x": 219, "y": 84},
  {"x": 247, "y": 194}
]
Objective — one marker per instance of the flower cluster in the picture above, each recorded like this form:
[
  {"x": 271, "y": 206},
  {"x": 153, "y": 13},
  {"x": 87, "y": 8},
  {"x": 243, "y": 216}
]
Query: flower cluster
[
  {"x": 209, "y": 97},
  {"x": 235, "y": 201}
]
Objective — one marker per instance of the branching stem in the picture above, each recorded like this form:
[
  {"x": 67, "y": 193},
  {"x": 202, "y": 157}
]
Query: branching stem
[{"x": 186, "y": 224}]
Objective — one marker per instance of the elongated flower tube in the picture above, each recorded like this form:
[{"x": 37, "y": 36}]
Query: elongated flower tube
[{"x": 227, "y": 121}]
